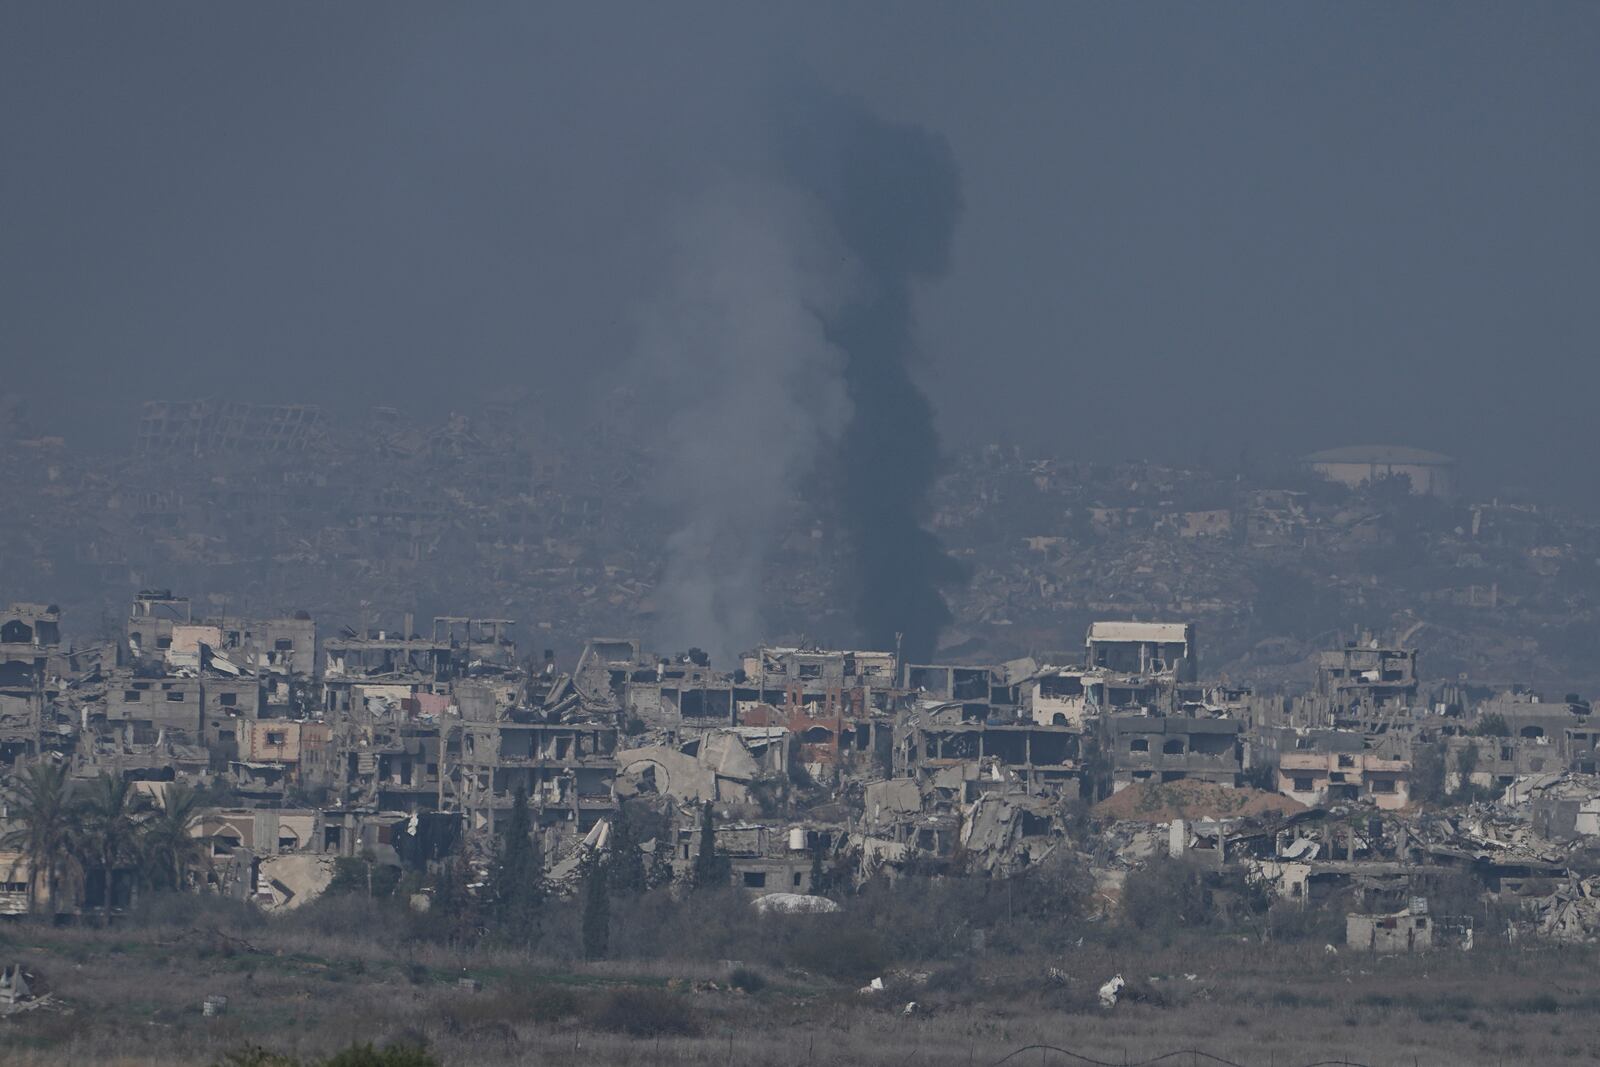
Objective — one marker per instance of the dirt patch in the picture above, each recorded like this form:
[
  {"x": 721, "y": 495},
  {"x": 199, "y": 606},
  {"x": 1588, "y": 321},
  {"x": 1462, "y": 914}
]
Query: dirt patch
[{"x": 1165, "y": 801}]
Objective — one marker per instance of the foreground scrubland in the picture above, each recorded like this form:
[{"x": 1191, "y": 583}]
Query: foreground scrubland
[{"x": 708, "y": 980}]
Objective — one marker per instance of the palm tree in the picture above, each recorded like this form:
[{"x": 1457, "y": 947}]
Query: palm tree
[
  {"x": 40, "y": 803},
  {"x": 108, "y": 831},
  {"x": 169, "y": 841}
]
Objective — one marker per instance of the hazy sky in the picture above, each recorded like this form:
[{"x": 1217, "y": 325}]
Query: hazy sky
[{"x": 1187, "y": 228}]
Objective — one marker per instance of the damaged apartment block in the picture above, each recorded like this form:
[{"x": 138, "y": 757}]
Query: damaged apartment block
[
  {"x": 565, "y": 769},
  {"x": 1163, "y": 748},
  {"x": 1161, "y": 649},
  {"x": 836, "y": 707},
  {"x": 963, "y": 759},
  {"x": 30, "y": 640},
  {"x": 1361, "y": 684}
]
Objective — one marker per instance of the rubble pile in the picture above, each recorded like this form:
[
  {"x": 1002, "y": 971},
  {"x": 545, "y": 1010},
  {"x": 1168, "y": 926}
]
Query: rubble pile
[
  {"x": 310, "y": 756},
  {"x": 1571, "y": 913}
]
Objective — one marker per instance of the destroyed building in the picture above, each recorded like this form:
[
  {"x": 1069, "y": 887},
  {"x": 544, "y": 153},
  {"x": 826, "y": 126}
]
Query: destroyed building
[
  {"x": 564, "y": 769},
  {"x": 1497, "y": 762},
  {"x": 201, "y": 427},
  {"x": 1363, "y": 680},
  {"x": 1143, "y": 648},
  {"x": 1564, "y": 808},
  {"x": 1407, "y": 931},
  {"x": 1317, "y": 778},
  {"x": 457, "y": 647},
  {"x": 1165, "y": 748},
  {"x": 763, "y": 859},
  {"x": 30, "y": 637},
  {"x": 278, "y": 757},
  {"x": 368, "y": 738},
  {"x": 947, "y": 755}
]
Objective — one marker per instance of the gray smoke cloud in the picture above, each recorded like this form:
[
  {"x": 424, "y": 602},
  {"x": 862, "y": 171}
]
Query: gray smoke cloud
[
  {"x": 893, "y": 193},
  {"x": 737, "y": 360},
  {"x": 782, "y": 344}
]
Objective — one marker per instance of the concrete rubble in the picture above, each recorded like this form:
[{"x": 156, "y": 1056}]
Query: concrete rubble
[
  {"x": 399, "y": 742},
  {"x": 795, "y": 904}
]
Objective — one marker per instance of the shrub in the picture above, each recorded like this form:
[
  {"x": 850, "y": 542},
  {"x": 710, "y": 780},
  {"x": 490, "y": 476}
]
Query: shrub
[
  {"x": 354, "y": 1056},
  {"x": 346, "y": 917},
  {"x": 194, "y": 911},
  {"x": 255, "y": 1056},
  {"x": 393, "y": 1056},
  {"x": 1052, "y": 894},
  {"x": 714, "y": 924},
  {"x": 1165, "y": 896},
  {"x": 956, "y": 979},
  {"x": 645, "y": 1013},
  {"x": 1140, "y": 991},
  {"x": 926, "y": 918},
  {"x": 1290, "y": 921},
  {"x": 1543, "y": 1004},
  {"x": 841, "y": 949},
  {"x": 361, "y": 876},
  {"x": 510, "y": 1004},
  {"x": 549, "y": 1003},
  {"x": 1491, "y": 725},
  {"x": 747, "y": 980},
  {"x": 1427, "y": 774}
]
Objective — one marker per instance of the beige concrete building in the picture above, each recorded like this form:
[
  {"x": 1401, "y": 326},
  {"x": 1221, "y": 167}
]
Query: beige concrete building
[
  {"x": 1315, "y": 778},
  {"x": 1431, "y": 473}
]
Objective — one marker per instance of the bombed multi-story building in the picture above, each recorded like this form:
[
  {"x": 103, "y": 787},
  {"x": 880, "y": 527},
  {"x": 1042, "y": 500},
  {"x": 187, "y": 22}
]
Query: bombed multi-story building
[
  {"x": 565, "y": 771},
  {"x": 1362, "y": 683},
  {"x": 1314, "y": 778},
  {"x": 941, "y": 751},
  {"x": 1160, "y": 649},
  {"x": 1167, "y": 748},
  {"x": 811, "y": 759},
  {"x": 30, "y": 666}
]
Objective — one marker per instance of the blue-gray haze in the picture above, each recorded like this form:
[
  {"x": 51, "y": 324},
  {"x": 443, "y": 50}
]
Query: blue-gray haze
[{"x": 1187, "y": 230}]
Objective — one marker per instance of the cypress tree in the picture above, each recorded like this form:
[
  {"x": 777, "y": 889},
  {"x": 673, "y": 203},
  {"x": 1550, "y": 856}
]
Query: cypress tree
[
  {"x": 625, "y": 868},
  {"x": 660, "y": 873},
  {"x": 596, "y": 911},
  {"x": 819, "y": 876},
  {"x": 453, "y": 913},
  {"x": 518, "y": 885},
  {"x": 711, "y": 868}
]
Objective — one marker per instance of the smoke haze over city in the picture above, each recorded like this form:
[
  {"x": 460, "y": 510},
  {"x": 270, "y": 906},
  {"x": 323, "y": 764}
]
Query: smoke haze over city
[
  {"x": 882, "y": 532},
  {"x": 1219, "y": 233}
]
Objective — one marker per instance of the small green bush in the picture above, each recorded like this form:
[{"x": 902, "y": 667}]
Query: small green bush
[
  {"x": 510, "y": 1004},
  {"x": 645, "y": 1013},
  {"x": 840, "y": 949},
  {"x": 550, "y": 1003},
  {"x": 747, "y": 980},
  {"x": 393, "y": 1056},
  {"x": 1543, "y": 1004},
  {"x": 956, "y": 979},
  {"x": 363, "y": 877},
  {"x": 255, "y": 1056},
  {"x": 354, "y": 1056}
]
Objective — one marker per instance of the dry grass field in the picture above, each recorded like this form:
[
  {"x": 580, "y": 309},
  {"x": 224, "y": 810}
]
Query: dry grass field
[{"x": 131, "y": 995}]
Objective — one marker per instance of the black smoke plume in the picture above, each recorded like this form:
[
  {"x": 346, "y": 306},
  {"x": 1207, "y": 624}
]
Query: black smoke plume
[
  {"x": 893, "y": 193},
  {"x": 779, "y": 346}
]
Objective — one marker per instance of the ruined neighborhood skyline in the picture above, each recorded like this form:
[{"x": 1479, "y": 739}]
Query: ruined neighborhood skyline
[
  {"x": 793, "y": 534},
  {"x": 1251, "y": 227}
]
